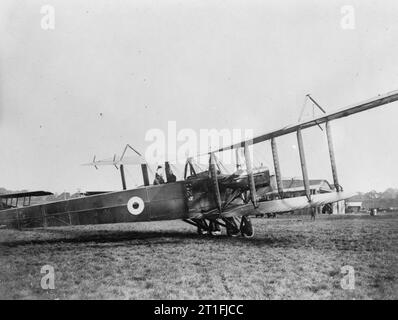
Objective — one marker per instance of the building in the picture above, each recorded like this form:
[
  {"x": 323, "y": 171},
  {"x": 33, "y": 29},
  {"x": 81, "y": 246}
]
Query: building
[{"x": 353, "y": 206}]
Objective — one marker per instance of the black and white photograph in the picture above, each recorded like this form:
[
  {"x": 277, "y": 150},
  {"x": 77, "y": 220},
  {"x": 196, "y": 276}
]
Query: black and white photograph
[{"x": 216, "y": 151}]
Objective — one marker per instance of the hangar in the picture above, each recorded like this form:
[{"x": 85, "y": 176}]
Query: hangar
[{"x": 353, "y": 206}]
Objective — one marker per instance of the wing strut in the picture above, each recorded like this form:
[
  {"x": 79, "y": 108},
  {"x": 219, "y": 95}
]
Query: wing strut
[
  {"x": 331, "y": 155},
  {"x": 213, "y": 175},
  {"x": 237, "y": 158},
  {"x": 303, "y": 164},
  {"x": 250, "y": 176},
  {"x": 123, "y": 177},
  {"x": 277, "y": 167},
  {"x": 145, "y": 176}
]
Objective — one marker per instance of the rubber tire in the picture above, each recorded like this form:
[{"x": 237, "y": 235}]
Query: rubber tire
[{"x": 247, "y": 228}]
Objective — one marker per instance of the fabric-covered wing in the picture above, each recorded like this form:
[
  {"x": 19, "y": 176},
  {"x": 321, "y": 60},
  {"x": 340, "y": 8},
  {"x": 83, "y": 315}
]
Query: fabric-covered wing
[
  {"x": 288, "y": 204},
  {"x": 343, "y": 112}
]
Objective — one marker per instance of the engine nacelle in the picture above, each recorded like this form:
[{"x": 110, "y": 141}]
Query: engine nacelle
[{"x": 240, "y": 179}]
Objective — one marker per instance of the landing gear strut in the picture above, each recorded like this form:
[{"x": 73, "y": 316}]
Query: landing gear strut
[
  {"x": 204, "y": 227},
  {"x": 233, "y": 225},
  {"x": 214, "y": 228}
]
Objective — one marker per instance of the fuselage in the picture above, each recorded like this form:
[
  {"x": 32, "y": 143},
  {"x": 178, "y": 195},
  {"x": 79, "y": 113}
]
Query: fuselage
[{"x": 185, "y": 199}]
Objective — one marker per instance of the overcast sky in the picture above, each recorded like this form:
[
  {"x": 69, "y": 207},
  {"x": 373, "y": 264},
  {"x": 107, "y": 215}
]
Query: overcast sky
[{"x": 111, "y": 70}]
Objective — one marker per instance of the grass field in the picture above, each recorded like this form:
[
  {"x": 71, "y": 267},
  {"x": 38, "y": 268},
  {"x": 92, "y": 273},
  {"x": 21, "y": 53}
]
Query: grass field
[{"x": 289, "y": 258}]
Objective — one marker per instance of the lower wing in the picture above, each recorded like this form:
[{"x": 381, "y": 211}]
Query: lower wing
[{"x": 288, "y": 204}]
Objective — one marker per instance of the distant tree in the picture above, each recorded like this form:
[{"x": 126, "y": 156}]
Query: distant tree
[
  {"x": 372, "y": 195},
  {"x": 390, "y": 193}
]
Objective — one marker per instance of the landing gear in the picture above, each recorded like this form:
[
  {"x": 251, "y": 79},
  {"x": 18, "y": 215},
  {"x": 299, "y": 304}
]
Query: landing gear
[
  {"x": 201, "y": 225},
  {"x": 327, "y": 208},
  {"x": 214, "y": 228},
  {"x": 233, "y": 226},
  {"x": 246, "y": 227},
  {"x": 202, "y": 232},
  {"x": 204, "y": 227}
]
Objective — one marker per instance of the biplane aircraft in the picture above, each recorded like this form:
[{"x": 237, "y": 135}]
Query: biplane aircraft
[{"x": 207, "y": 199}]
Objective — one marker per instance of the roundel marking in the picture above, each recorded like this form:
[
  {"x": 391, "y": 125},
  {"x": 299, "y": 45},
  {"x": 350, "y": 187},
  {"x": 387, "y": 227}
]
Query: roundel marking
[{"x": 135, "y": 205}]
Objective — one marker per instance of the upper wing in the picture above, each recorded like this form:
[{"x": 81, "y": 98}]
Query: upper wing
[
  {"x": 343, "y": 112},
  {"x": 25, "y": 194}
]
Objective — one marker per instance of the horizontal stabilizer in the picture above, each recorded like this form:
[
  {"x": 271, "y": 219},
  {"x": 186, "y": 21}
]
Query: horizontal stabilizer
[
  {"x": 135, "y": 159},
  {"x": 117, "y": 161}
]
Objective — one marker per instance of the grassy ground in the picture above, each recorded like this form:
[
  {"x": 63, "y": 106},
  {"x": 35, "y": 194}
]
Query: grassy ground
[{"x": 289, "y": 258}]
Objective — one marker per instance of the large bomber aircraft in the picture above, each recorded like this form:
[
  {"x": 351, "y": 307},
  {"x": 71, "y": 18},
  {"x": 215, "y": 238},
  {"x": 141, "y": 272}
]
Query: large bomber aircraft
[{"x": 208, "y": 199}]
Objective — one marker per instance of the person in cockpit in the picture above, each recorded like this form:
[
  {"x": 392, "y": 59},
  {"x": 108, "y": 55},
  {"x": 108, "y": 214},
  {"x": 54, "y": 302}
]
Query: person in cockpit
[{"x": 158, "y": 176}]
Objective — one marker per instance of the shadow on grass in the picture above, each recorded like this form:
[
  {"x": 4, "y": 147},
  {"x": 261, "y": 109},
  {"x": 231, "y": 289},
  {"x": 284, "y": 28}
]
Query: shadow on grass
[
  {"x": 159, "y": 237},
  {"x": 98, "y": 237},
  {"x": 269, "y": 238}
]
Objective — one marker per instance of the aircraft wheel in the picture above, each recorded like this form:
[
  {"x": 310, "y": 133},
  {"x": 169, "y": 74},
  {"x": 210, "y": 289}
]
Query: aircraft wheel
[
  {"x": 202, "y": 226},
  {"x": 231, "y": 227},
  {"x": 214, "y": 228},
  {"x": 246, "y": 227},
  {"x": 202, "y": 232},
  {"x": 232, "y": 233}
]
